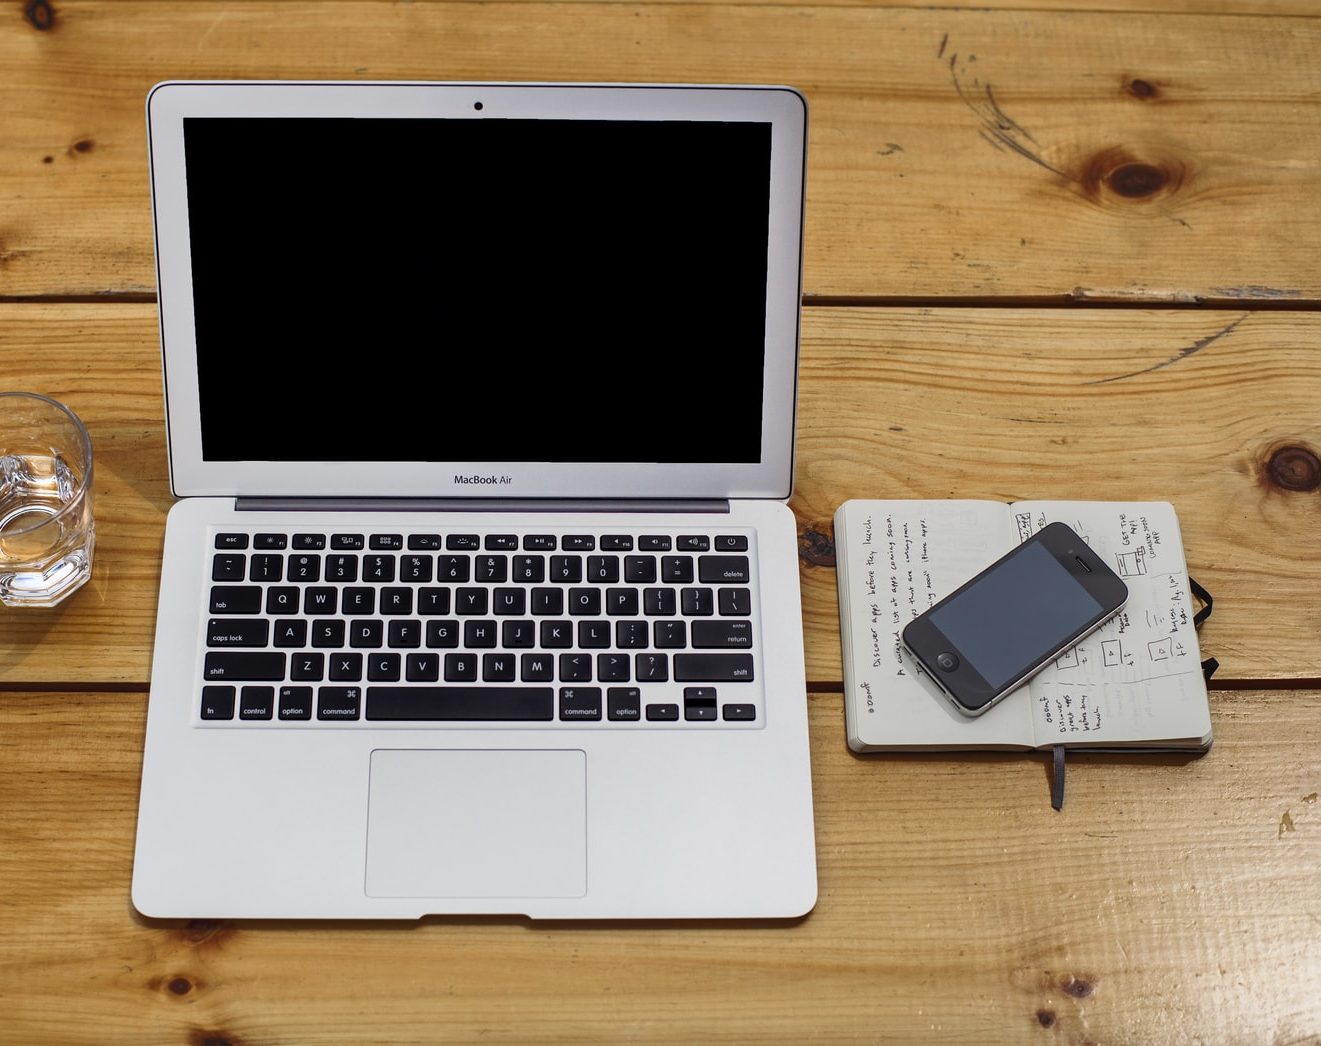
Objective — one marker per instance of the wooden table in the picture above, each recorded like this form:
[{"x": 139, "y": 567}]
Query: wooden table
[{"x": 1058, "y": 248}]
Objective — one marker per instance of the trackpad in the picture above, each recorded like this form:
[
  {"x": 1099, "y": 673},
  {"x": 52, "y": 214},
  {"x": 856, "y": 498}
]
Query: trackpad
[{"x": 454, "y": 823}]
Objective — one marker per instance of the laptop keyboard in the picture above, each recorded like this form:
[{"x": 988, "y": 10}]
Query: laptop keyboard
[{"x": 654, "y": 629}]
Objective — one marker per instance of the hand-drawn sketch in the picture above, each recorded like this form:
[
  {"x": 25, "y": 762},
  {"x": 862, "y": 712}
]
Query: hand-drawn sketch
[
  {"x": 1132, "y": 564},
  {"x": 1159, "y": 650},
  {"x": 1068, "y": 659},
  {"x": 1112, "y": 653}
]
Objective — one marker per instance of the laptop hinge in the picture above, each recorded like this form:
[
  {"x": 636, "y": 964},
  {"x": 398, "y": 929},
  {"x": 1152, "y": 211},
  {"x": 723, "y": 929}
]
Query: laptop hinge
[{"x": 600, "y": 505}]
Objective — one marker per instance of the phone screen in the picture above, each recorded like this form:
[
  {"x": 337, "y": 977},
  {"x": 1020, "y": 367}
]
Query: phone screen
[{"x": 1012, "y": 616}]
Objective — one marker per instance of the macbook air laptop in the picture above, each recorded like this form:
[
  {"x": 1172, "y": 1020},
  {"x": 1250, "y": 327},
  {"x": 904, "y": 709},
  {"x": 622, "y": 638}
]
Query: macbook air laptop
[{"x": 481, "y": 592}]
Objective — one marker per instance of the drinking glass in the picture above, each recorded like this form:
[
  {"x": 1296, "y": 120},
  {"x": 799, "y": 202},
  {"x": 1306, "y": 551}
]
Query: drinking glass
[{"x": 46, "y": 531}]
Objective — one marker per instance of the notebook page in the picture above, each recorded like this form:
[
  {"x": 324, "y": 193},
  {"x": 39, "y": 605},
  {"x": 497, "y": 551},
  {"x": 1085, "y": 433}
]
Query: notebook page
[
  {"x": 1137, "y": 679},
  {"x": 900, "y": 557}
]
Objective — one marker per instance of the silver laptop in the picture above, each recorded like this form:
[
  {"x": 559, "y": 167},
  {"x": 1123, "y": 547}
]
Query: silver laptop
[{"x": 481, "y": 593}]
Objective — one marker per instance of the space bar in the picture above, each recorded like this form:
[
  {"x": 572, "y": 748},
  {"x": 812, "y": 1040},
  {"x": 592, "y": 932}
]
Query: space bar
[{"x": 454, "y": 703}]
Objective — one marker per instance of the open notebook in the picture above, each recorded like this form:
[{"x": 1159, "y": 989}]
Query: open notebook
[{"x": 1134, "y": 684}]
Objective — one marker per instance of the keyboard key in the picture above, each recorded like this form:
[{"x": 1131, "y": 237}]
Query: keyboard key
[
  {"x": 612, "y": 668},
  {"x": 327, "y": 634},
  {"x": 693, "y": 543},
  {"x": 359, "y": 601},
  {"x": 232, "y": 542},
  {"x": 547, "y": 601},
  {"x": 415, "y": 569},
  {"x": 731, "y": 543},
  {"x": 654, "y": 543},
  {"x": 319, "y": 600},
  {"x": 479, "y": 634},
  {"x": 724, "y": 570},
  {"x": 580, "y": 703},
  {"x": 228, "y": 566},
  {"x": 677, "y": 570},
  {"x": 623, "y": 704},
  {"x": 237, "y": 632},
  {"x": 378, "y": 568},
  {"x": 577, "y": 543},
  {"x": 501, "y": 542},
  {"x": 217, "y": 702},
  {"x": 424, "y": 542},
  {"x": 405, "y": 634},
  {"x": 712, "y": 668},
  {"x": 659, "y": 602},
  {"x": 270, "y": 541},
  {"x": 738, "y": 712},
  {"x": 621, "y": 602},
  {"x": 249, "y": 665},
  {"x": 290, "y": 633},
  {"x": 345, "y": 668},
  {"x": 266, "y": 566},
  {"x": 616, "y": 543},
  {"x": 349, "y": 542},
  {"x": 509, "y": 601},
  {"x": 603, "y": 570},
  {"x": 566, "y": 570},
  {"x": 422, "y": 668},
  {"x": 366, "y": 634},
  {"x": 307, "y": 667},
  {"x": 662, "y": 713},
  {"x": 491, "y": 569},
  {"x": 309, "y": 541},
  {"x": 342, "y": 568},
  {"x": 575, "y": 668},
  {"x": 584, "y": 601},
  {"x": 651, "y": 668},
  {"x": 433, "y": 601},
  {"x": 498, "y": 668},
  {"x": 383, "y": 668},
  {"x": 538, "y": 542},
  {"x": 461, "y": 703},
  {"x": 460, "y": 668},
  {"x": 453, "y": 568},
  {"x": 709, "y": 635},
  {"x": 734, "y": 601},
  {"x": 536, "y": 668},
  {"x": 282, "y": 600},
  {"x": 631, "y": 634},
  {"x": 529, "y": 570},
  {"x": 463, "y": 543},
  {"x": 396, "y": 601},
  {"x": 699, "y": 704},
  {"x": 339, "y": 702},
  {"x": 256, "y": 703},
  {"x": 470, "y": 601},
  {"x": 640, "y": 570},
  {"x": 697, "y": 602},
  {"x": 556, "y": 633},
  {"x": 518, "y": 634},
  {"x": 386, "y": 542},
  {"x": 594, "y": 635},
  {"x": 303, "y": 568},
  {"x": 295, "y": 702},
  {"x": 670, "y": 634},
  {"x": 443, "y": 633}
]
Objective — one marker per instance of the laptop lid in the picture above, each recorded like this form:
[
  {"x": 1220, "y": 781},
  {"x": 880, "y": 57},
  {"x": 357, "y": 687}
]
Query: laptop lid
[{"x": 478, "y": 290}]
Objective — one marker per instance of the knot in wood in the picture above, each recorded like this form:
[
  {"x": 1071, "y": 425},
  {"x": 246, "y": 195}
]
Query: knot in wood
[
  {"x": 40, "y": 15},
  {"x": 1294, "y": 468},
  {"x": 1046, "y": 1018},
  {"x": 816, "y": 547},
  {"x": 179, "y": 985},
  {"x": 1118, "y": 172},
  {"x": 1135, "y": 180},
  {"x": 1140, "y": 88}
]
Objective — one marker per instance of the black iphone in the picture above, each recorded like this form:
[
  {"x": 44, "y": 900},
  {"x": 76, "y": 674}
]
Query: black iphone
[{"x": 1011, "y": 620}]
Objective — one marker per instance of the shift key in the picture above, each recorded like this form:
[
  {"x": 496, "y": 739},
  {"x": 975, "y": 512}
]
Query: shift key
[
  {"x": 263, "y": 666},
  {"x": 712, "y": 668}
]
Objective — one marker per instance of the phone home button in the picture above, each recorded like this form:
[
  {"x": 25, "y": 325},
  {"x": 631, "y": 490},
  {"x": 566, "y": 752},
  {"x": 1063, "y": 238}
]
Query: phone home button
[{"x": 946, "y": 661}]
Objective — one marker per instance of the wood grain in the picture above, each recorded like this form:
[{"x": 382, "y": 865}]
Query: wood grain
[
  {"x": 1169, "y": 901},
  {"x": 967, "y": 153},
  {"x": 1214, "y": 411}
]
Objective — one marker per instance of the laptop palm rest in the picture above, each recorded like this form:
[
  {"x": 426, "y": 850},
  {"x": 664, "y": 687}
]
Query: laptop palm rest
[{"x": 477, "y": 823}]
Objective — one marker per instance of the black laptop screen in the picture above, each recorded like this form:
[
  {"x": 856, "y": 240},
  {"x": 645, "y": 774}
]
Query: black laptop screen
[{"x": 479, "y": 290}]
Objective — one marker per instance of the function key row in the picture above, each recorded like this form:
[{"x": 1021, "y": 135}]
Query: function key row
[{"x": 491, "y": 542}]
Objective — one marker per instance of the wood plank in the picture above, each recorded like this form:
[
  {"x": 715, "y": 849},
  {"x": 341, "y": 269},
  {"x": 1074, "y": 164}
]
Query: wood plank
[
  {"x": 976, "y": 154},
  {"x": 1213, "y": 411},
  {"x": 1162, "y": 904}
]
